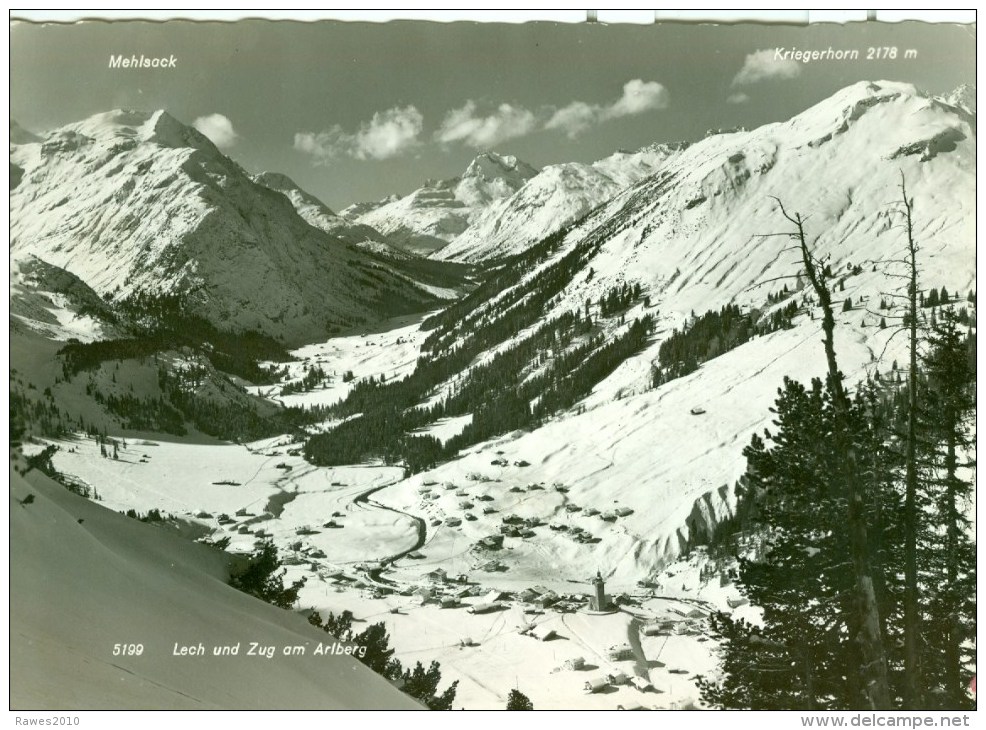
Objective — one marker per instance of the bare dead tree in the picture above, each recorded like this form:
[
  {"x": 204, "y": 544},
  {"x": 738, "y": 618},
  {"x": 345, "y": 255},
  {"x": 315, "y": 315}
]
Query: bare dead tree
[
  {"x": 864, "y": 624},
  {"x": 912, "y": 620}
]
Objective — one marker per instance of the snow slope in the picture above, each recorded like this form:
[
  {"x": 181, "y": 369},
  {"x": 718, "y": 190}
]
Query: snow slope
[
  {"x": 83, "y": 579},
  {"x": 433, "y": 215},
  {"x": 56, "y": 303},
  {"x": 553, "y": 198},
  {"x": 693, "y": 236},
  {"x": 136, "y": 202}
]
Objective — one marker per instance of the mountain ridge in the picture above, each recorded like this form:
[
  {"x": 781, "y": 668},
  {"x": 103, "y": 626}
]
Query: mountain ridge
[{"x": 138, "y": 202}]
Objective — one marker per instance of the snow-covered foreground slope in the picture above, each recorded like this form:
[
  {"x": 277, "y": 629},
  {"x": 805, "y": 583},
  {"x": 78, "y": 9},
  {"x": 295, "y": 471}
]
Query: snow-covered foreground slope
[
  {"x": 433, "y": 215},
  {"x": 553, "y": 198},
  {"x": 136, "y": 202},
  {"x": 84, "y": 579}
]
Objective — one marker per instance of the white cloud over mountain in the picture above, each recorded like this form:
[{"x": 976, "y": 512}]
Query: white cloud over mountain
[
  {"x": 218, "y": 129},
  {"x": 638, "y": 97},
  {"x": 763, "y": 65},
  {"x": 388, "y": 134},
  {"x": 395, "y": 131},
  {"x": 477, "y": 130}
]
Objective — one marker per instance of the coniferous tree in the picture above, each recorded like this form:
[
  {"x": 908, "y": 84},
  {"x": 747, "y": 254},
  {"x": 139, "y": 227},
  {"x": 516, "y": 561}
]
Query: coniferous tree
[
  {"x": 262, "y": 579},
  {"x": 849, "y": 643},
  {"x": 379, "y": 655},
  {"x": 422, "y": 684},
  {"x": 946, "y": 551},
  {"x": 803, "y": 656},
  {"x": 519, "y": 701}
]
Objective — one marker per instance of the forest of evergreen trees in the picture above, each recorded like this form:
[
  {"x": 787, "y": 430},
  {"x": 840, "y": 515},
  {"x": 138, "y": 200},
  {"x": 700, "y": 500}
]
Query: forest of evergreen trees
[
  {"x": 164, "y": 322},
  {"x": 801, "y": 657},
  {"x": 712, "y": 334},
  {"x": 498, "y": 393}
]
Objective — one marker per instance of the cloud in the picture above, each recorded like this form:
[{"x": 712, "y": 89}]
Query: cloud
[
  {"x": 638, "y": 97},
  {"x": 477, "y": 130},
  {"x": 218, "y": 129},
  {"x": 739, "y": 98},
  {"x": 764, "y": 65},
  {"x": 574, "y": 118},
  {"x": 393, "y": 132},
  {"x": 388, "y": 134}
]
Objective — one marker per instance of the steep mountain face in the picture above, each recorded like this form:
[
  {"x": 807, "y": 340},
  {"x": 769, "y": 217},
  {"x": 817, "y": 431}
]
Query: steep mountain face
[
  {"x": 430, "y": 217},
  {"x": 318, "y": 214},
  {"x": 555, "y": 197},
  {"x": 703, "y": 232},
  {"x": 136, "y": 202}
]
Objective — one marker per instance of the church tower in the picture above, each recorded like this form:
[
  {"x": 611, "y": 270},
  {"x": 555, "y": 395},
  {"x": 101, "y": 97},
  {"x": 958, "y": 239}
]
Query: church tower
[{"x": 599, "y": 602}]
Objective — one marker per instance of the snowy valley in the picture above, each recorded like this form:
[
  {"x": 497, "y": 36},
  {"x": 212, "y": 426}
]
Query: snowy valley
[{"x": 460, "y": 406}]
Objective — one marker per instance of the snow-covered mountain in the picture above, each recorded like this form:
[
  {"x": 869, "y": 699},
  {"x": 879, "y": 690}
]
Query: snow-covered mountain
[
  {"x": 138, "y": 202},
  {"x": 431, "y": 216},
  {"x": 964, "y": 97},
  {"x": 698, "y": 235},
  {"x": 553, "y": 198},
  {"x": 318, "y": 214},
  {"x": 622, "y": 476}
]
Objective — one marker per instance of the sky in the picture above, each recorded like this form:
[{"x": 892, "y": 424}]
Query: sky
[{"x": 358, "y": 111}]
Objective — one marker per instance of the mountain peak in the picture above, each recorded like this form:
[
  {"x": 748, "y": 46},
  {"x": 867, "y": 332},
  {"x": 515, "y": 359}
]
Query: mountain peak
[
  {"x": 275, "y": 180},
  {"x": 157, "y": 127},
  {"x": 963, "y": 96},
  {"x": 490, "y": 166}
]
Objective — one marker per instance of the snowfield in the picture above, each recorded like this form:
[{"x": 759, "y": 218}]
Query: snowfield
[
  {"x": 87, "y": 580},
  {"x": 644, "y": 452}
]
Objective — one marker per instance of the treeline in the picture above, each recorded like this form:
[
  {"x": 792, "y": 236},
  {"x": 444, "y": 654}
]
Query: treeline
[
  {"x": 228, "y": 414},
  {"x": 498, "y": 394},
  {"x": 712, "y": 334},
  {"x": 518, "y": 307},
  {"x": 237, "y": 417},
  {"x": 500, "y": 279},
  {"x": 30, "y": 415},
  {"x": 165, "y": 322}
]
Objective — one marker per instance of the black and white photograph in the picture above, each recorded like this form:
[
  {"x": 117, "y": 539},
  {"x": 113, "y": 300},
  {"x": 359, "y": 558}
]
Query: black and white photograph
[{"x": 420, "y": 365}]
